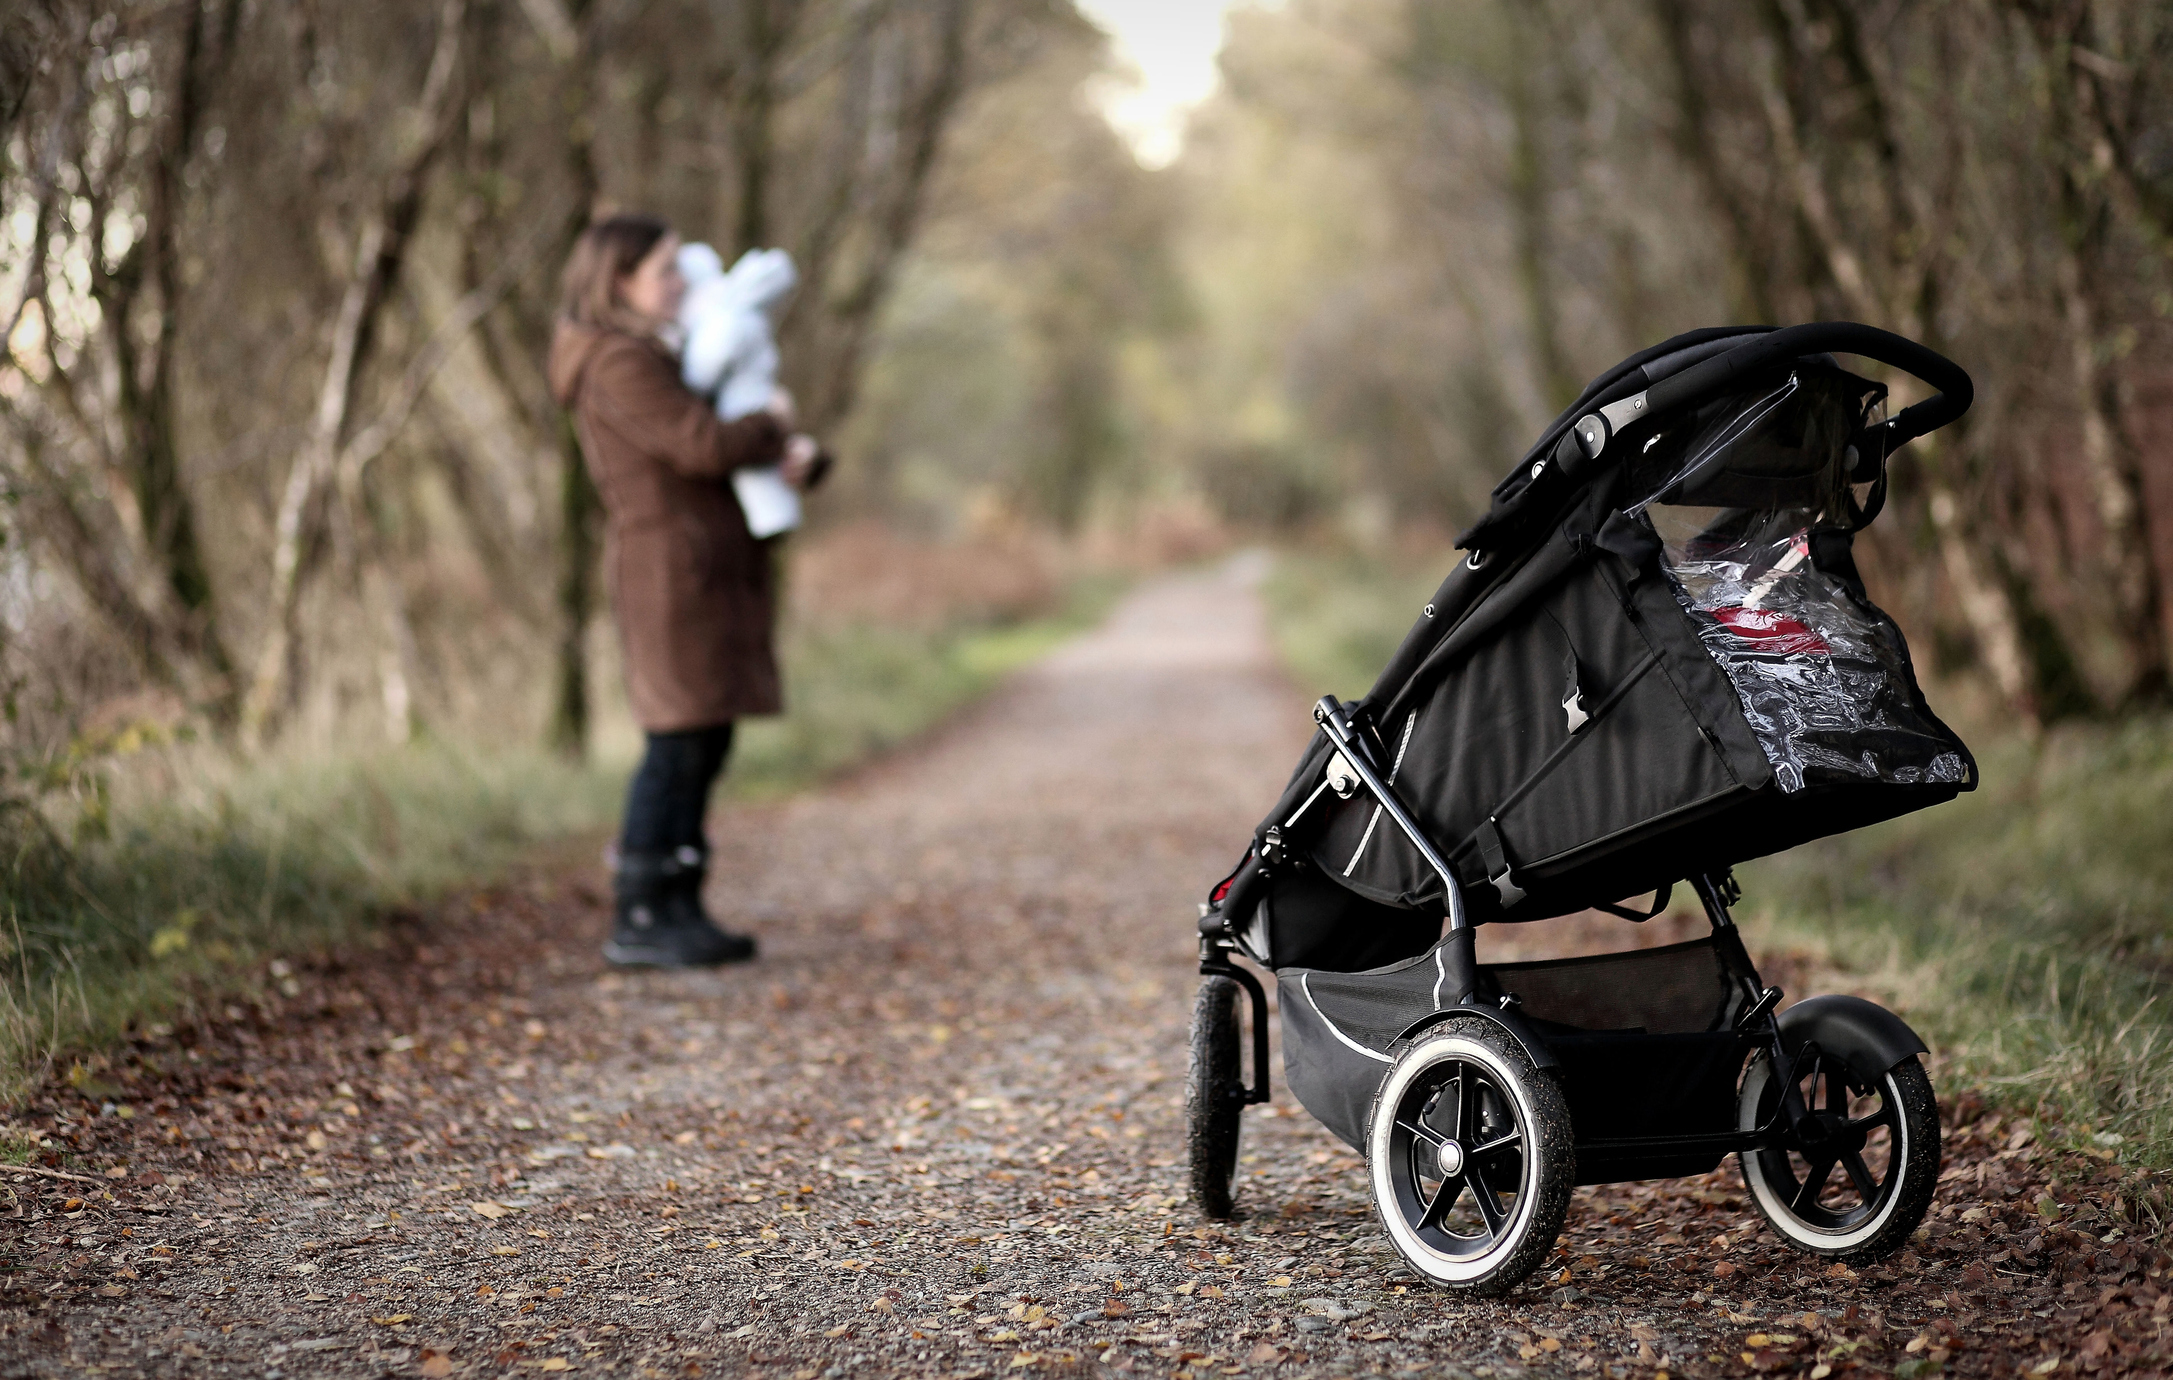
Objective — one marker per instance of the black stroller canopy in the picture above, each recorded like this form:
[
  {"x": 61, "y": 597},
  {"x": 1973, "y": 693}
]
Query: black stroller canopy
[{"x": 1658, "y": 658}]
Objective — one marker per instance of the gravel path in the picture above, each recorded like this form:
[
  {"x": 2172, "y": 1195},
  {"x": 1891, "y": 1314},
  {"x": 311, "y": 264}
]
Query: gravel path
[{"x": 935, "y": 1131}]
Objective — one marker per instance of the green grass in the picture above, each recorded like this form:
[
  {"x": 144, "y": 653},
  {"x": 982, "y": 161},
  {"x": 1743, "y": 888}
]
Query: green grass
[
  {"x": 2026, "y": 930},
  {"x": 181, "y": 872},
  {"x": 1336, "y": 618},
  {"x": 855, "y": 691}
]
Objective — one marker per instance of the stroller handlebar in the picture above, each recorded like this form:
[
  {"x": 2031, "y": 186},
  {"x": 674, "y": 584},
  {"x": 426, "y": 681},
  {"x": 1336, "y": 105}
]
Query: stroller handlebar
[{"x": 1832, "y": 337}]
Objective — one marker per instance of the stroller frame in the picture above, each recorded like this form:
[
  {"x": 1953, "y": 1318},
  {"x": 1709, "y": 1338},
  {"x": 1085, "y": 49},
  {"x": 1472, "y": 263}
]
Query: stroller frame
[
  {"x": 1756, "y": 1025},
  {"x": 1478, "y": 1075}
]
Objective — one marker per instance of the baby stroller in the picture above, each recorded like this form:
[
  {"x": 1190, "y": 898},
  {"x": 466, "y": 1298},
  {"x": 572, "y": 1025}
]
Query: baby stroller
[{"x": 1658, "y": 660}]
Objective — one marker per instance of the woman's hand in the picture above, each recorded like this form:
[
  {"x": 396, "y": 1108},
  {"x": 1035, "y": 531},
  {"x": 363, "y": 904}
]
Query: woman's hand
[
  {"x": 799, "y": 463},
  {"x": 782, "y": 408}
]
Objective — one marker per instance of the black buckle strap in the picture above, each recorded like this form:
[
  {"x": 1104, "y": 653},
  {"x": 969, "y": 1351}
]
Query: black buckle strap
[
  {"x": 1488, "y": 837},
  {"x": 1659, "y": 904}
]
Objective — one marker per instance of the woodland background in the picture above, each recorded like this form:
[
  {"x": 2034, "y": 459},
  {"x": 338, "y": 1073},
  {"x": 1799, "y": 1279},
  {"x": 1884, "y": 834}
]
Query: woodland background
[
  {"x": 280, "y": 482},
  {"x": 278, "y": 278}
]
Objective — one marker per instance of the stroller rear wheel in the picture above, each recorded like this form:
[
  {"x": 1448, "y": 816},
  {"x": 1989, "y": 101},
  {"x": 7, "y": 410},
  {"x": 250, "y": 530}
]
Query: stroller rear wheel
[
  {"x": 1863, "y": 1178},
  {"x": 1214, "y": 1095},
  {"x": 1471, "y": 1157}
]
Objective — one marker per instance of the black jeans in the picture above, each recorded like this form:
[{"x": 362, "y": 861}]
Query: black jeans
[{"x": 670, "y": 791}]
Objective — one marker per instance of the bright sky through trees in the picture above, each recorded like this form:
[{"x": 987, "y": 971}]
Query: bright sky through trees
[{"x": 1170, "y": 47}]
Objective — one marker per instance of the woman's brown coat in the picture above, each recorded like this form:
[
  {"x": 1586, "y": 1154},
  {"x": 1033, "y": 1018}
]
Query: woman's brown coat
[{"x": 692, "y": 591}]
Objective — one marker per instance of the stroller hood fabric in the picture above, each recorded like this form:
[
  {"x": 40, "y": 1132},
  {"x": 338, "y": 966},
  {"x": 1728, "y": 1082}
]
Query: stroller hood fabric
[{"x": 1654, "y": 664}]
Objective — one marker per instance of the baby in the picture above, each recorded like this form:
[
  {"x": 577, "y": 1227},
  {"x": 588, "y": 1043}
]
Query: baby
[{"x": 729, "y": 320}]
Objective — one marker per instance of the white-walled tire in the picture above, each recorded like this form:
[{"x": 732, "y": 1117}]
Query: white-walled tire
[
  {"x": 1471, "y": 1157},
  {"x": 1864, "y": 1184}
]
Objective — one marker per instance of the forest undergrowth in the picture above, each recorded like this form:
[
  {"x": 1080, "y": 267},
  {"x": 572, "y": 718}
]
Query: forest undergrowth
[
  {"x": 143, "y": 878},
  {"x": 2023, "y": 929}
]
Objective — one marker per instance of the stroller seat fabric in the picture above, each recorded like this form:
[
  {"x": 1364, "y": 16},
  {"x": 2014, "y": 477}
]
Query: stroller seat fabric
[{"x": 1656, "y": 666}]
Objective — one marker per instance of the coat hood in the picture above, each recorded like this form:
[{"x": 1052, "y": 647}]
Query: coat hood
[{"x": 572, "y": 347}]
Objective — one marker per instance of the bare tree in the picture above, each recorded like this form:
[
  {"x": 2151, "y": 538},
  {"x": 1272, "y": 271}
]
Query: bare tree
[{"x": 380, "y": 252}]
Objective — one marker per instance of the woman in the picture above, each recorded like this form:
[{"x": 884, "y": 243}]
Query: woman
[{"x": 691, "y": 591}]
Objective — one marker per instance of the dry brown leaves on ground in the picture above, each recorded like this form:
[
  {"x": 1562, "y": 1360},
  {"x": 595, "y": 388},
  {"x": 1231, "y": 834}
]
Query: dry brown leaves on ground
[{"x": 936, "y": 1130}]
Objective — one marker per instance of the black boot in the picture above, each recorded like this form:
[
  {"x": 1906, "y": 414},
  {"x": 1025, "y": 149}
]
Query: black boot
[
  {"x": 688, "y": 917},
  {"x": 659, "y": 921}
]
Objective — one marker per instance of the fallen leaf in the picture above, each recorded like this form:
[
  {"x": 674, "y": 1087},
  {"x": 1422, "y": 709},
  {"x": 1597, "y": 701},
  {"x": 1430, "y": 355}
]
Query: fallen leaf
[
  {"x": 489, "y": 1209},
  {"x": 505, "y": 1250},
  {"x": 436, "y": 1365},
  {"x": 555, "y": 1363}
]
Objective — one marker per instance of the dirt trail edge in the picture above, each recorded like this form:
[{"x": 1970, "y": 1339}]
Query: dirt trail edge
[{"x": 935, "y": 1131}]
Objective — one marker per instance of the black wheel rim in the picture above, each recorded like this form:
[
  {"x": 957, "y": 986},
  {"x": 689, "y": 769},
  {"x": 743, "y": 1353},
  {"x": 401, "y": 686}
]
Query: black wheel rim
[
  {"x": 1842, "y": 1165},
  {"x": 1457, "y": 1158}
]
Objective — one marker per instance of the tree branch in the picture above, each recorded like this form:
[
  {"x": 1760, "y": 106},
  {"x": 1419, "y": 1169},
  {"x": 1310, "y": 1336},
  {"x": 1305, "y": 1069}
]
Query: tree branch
[{"x": 379, "y": 255}]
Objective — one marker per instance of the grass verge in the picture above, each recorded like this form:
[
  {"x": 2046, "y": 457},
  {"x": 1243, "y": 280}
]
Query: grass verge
[
  {"x": 2026, "y": 929},
  {"x": 186, "y": 871}
]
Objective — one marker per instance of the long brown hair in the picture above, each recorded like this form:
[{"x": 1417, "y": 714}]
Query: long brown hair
[{"x": 607, "y": 251}]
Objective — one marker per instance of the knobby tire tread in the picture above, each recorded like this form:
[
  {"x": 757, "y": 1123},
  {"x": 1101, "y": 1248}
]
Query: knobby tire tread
[
  {"x": 1557, "y": 1171},
  {"x": 1212, "y": 1116}
]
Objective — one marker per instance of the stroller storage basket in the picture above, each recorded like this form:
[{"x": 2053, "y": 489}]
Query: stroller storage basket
[
  {"x": 1605, "y": 1018},
  {"x": 1657, "y": 661},
  {"x": 1677, "y": 990}
]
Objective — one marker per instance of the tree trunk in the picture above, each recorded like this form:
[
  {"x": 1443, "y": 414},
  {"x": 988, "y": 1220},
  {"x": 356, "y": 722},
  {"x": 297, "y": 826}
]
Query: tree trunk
[
  {"x": 1990, "y": 613},
  {"x": 1530, "y": 180},
  {"x": 579, "y": 517},
  {"x": 567, "y": 729},
  {"x": 923, "y": 121},
  {"x": 2082, "y": 131},
  {"x": 1749, "y": 293},
  {"x": 378, "y": 259}
]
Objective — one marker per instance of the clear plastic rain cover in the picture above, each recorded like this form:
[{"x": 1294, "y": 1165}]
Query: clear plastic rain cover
[{"x": 1823, "y": 679}]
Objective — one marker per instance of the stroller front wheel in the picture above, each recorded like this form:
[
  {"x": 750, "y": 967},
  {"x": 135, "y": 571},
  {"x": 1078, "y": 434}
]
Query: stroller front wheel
[
  {"x": 1863, "y": 1181},
  {"x": 1471, "y": 1156},
  {"x": 1214, "y": 1096}
]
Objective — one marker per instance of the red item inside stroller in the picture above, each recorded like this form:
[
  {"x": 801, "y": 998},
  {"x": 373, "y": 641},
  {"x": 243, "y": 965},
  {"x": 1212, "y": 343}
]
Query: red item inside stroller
[{"x": 1658, "y": 660}]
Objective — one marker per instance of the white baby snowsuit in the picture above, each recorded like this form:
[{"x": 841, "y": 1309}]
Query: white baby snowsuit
[{"x": 728, "y": 323}]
